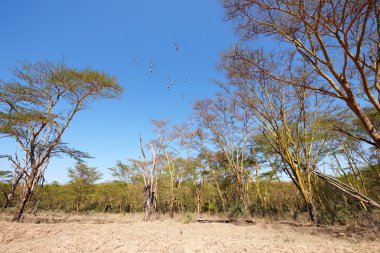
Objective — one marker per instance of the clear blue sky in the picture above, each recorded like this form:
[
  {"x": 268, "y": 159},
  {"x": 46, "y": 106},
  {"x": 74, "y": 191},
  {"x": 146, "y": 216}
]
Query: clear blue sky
[{"x": 122, "y": 38}]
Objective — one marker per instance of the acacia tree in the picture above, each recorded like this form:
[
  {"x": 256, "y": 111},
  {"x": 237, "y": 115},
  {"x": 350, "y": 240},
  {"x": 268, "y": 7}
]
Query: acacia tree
[
  {"x": 173, "y": 143},
  {"x": 36, "y": 110},
  {"x": 196, "y": 174},
  {"x": 211, "y": 168},
  {"x": 339, "y": 40},
  {"x": 82, "y": 177},
  {"x": 126, "y": 174},
  {"x": 229, "y": 130},
  {"x": 292, "y": 119}
]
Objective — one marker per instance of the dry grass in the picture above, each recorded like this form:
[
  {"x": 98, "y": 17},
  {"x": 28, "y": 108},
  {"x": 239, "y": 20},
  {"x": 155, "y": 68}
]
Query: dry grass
[{"x": 55, "y": 232}]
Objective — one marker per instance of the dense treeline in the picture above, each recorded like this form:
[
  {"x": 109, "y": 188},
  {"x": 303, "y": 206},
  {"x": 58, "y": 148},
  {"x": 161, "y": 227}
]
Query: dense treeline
[{"x": 282, "y": 199}]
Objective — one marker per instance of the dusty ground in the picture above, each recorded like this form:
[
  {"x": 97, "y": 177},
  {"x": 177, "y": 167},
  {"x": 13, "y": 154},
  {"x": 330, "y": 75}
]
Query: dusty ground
[{"x": 128, "y": 233}]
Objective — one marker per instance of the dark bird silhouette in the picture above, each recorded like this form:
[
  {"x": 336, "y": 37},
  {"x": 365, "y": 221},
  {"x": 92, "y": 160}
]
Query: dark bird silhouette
[{"x": 176, "y": 46}]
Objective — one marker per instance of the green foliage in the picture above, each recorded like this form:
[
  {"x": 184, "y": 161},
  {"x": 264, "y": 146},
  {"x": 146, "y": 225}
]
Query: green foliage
[
  {"x": 82, "y": 174},
  {"x": 125, "y": 173},
  {"x": 283, "y": 202},
  {"x": 237, "y": 211},
  {"x": 371, "y": 179},
  {"x": 82, "y": 177},
  {"x": 39, "y": 89},
  {"x": 189, "y": 218},
  {"x": 37, "y": 107},
  {"x": 5, "y": 176},
  {"x": 333, "y": 207}
]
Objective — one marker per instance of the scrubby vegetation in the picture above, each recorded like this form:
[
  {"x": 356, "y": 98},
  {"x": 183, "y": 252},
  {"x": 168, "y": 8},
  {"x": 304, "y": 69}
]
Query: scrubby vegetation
[{"x": 282, "y": 200}]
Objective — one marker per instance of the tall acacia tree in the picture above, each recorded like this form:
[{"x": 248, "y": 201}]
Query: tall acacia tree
[
  {"x": 228, "y": 127},
  {"x": 291, "y": 119},
  {"x": 339, "y": 39},
  {"x": 174, "y": 141},
  {"x": 37, "y": 108}
]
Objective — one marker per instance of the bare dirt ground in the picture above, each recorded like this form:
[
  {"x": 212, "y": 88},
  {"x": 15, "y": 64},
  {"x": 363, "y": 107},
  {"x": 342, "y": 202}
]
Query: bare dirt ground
[{"x": 128, "y": 233}]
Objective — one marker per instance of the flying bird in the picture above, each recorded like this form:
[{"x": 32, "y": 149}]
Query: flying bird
[
  {"x": 138, "y": 63},
  {"x": 176, "y": 46},
  {"x": 151, "y": 69}
]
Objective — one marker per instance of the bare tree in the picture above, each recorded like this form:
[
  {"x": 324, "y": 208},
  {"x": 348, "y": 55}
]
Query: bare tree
[
  {"x": 149, "y": 173},
  {"x": 37, "y": 109}
]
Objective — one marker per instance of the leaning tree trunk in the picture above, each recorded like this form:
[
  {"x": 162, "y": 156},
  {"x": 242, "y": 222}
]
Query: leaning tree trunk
[
  {"x": 25, "y": 195},
  {"x": 347, "y": 189},
  {"x": 27, "y": 191},
  {"x": 38, "y": 198},
  {"x": 11, "y": 192}
]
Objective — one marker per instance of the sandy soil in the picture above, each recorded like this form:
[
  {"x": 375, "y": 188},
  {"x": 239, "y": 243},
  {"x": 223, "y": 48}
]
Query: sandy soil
[{"x": 128, "y": 233}]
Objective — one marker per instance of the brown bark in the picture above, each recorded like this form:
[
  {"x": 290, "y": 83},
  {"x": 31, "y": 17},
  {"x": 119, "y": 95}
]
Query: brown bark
[
  {"x": 149, "y": 201},
  {"x": 25, "y": 196}
]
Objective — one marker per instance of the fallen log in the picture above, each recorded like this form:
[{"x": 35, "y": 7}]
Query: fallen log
[{"x": 234, "y": 221}]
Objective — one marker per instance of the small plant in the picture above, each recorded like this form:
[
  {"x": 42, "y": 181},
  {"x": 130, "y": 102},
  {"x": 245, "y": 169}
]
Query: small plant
[{"x": 189, "y": 218}]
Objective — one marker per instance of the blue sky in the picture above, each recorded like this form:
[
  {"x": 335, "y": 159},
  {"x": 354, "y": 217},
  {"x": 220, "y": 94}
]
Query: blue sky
[{"x": 147, "y": 44}]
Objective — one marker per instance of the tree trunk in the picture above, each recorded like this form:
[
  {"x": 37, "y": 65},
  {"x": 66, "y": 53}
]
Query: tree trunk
[
  {"x": 36, "y": 206},
  {"x": 313, "y": 214},
  {"x": 8, "y": 197},
  {"x": 77, "y": 208},
  {"x": 198, "y": 194},
  {"x": 26, "y": 193},
  {"x": 172, "y": 197},
  {"x": 11, "y": 191},
  {"x": 149, "y": 201},
  {"x": 222, "y": 200},
  {"x": 172, "y": 202}
]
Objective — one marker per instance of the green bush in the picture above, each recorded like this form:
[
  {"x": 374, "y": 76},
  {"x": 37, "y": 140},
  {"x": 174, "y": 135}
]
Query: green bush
[
  {"x": 189, "y": 218},
  {"x": 237, "y": 211}
]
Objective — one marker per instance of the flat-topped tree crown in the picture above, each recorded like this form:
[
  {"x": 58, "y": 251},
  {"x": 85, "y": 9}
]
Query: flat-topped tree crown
[
  {"x": 37, "y": 107},
  {"x": 42, "y": 100}
]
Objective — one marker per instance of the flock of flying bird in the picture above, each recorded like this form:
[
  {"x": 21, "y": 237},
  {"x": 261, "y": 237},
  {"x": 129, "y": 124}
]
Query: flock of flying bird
[{"x": 152, "y": 71}]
